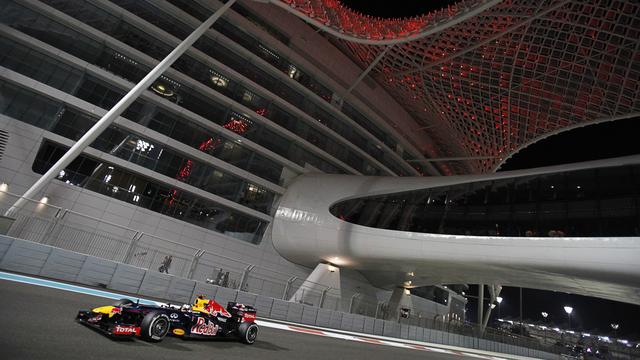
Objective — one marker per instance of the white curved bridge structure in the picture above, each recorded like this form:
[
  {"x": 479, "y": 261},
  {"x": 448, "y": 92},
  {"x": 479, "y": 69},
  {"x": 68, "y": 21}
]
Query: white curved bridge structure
[{"x": 306, "y": 232}]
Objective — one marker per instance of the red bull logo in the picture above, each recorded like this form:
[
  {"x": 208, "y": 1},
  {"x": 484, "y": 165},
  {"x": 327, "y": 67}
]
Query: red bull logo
[
  {"x": 216, "y": 309},
  {"x": 204, "y": 327}
]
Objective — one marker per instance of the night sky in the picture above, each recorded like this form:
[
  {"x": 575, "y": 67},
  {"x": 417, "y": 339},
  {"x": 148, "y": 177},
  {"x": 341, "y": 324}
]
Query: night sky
[
  {"x": 590, "y": 315},
  {"x": 394, "y": 9},
  {"x": 599, "y": 141},
  {"x": 593, "y": 142}
]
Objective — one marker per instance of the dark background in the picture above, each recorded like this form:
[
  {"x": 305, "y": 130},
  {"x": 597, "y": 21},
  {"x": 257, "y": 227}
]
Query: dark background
[
  {"x": 590, "y": 315},
  {"x": 592, "y": 142},
  {"x": 394, "y": 9}
]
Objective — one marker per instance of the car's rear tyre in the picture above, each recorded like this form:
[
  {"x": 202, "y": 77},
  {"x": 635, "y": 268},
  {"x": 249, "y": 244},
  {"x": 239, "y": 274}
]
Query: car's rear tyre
[
  {"x": 123, "y": 302},
  {"x": 248, "y": 332},
  {"x": 154, "y": 326}
]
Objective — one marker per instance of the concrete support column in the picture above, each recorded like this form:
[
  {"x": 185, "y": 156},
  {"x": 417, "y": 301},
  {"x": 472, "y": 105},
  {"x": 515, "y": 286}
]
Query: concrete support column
[
  {"x": 323, "y": 281},
  {"x": 480, "y": 304},
  {"x": 494, "y": 292},
  {"x": 399, "y": 300}
]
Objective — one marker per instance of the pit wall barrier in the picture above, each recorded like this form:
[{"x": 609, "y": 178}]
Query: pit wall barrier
[{"x": 26, "y": 257}]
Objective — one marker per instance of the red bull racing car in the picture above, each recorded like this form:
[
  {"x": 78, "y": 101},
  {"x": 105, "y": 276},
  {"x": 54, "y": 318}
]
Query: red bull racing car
[{"x": 204, "y": 319}]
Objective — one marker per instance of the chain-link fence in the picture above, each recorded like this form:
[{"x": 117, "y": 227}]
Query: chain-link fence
[{"x": 63, "y": 228}]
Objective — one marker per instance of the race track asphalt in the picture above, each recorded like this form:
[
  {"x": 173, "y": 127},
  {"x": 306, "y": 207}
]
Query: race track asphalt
[{"x": 38, "y": 323}]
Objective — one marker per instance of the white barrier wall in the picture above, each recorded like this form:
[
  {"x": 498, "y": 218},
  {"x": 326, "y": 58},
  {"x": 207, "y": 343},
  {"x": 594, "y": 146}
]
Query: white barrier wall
[
  {"x": 31, "y": 258},
  {"x": 16, "y": 171}
]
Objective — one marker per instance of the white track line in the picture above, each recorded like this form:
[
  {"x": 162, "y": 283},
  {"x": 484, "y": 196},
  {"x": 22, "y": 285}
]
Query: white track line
[
  {"x": 383, "y": 340},
  {"x": 283, "y": 325}
]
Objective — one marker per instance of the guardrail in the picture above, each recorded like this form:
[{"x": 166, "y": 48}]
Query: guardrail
[
  {"x": 69, "y": 230},
  {"x": 32, "y": 258}
]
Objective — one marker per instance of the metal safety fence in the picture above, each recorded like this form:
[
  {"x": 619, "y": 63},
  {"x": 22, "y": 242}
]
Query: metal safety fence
[
  {"x": 44, "y": 223},
  {"x": 47, "y": 224}
]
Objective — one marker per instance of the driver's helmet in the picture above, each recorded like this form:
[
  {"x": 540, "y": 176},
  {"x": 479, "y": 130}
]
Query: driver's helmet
[
  {"x": 200, "y": 303},
  {"x": 185, "y": 308}
]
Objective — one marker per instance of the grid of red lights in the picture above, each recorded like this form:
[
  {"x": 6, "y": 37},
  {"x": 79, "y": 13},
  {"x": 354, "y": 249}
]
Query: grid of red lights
[{"x": 511, "y": 75}]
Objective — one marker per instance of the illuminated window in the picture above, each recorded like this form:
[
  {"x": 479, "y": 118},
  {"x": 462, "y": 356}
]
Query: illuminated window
[
  {"x": 165, "y": 87},
  {"x": 269, "y": 52},
  {"x": 247, "y": 96},
  {"x": 143, "y": 146},
  {"x": 218, "y": 80},
  {"x": 293, "y": 72},
  {"x": 124, "y": 58},
  {"x": 255, "y": 189},
  {"x": 162, "y": 89}
]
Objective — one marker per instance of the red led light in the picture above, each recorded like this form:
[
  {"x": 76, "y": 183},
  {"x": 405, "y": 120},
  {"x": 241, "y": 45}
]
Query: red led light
[
  {"x": 237, "y": 125},
  {"x": 516, "y": 79}
]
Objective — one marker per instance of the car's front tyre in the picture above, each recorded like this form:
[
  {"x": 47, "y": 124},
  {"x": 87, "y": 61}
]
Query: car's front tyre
[
  {"x": 248, "y": 332},
  {"x": 154, "y": 326}
]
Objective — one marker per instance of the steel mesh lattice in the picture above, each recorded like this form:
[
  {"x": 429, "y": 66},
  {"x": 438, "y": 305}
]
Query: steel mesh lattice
[{"x": 505, "y": 78}]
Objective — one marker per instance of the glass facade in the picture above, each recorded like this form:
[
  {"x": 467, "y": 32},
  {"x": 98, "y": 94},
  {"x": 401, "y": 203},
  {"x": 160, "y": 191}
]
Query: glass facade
[
  {"x": 141, "y": 40},
  {"x": 124, "y": 185},
  {"x": 594, "y": 202},
  {"x": 197, "y": 103},
  {"x": 54, "y": 116},
  {"x": 100, "y": 54},
  {"x": 295, "y": 72}
]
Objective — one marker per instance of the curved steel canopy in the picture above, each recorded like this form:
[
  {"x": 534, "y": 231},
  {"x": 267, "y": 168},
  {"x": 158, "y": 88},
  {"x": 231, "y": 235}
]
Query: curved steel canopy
[
  {"x": 486, "y": 78},
  {"x": 340, "y": 21}
]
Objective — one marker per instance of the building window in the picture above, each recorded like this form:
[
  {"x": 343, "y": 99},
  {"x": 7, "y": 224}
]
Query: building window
[
  {"x": 120, "y": 183},
  {"x": 218, "y": 80}
]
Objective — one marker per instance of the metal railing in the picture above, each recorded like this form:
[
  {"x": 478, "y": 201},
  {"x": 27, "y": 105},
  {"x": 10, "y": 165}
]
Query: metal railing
[{"x": 70, "y": 230}]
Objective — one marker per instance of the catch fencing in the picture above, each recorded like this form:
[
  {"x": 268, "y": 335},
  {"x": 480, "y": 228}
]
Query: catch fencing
[{"x": 72, "y": 231}]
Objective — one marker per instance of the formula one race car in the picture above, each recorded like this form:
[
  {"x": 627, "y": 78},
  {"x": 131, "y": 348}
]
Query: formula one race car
[{"x": 204, "y": 319}]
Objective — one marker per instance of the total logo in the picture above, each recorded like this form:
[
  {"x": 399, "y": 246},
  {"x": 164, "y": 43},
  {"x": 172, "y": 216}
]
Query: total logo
[
  {"x": 204, "y": 327},
  {"x": 126, "y": 330}
]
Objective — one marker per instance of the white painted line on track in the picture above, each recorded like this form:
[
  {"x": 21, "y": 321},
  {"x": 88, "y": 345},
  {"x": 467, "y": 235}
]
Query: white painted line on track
[
  {"x": 382, "y": 340},
  {"x": 67, "y": 287},
  {"x": 287, "y": 326}
]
